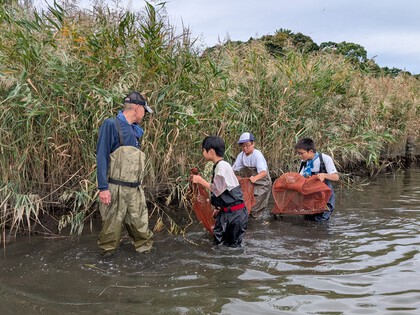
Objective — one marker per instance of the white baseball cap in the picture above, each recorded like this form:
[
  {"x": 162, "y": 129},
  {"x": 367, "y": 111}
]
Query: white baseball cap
[{"x": 246, "y": 137}]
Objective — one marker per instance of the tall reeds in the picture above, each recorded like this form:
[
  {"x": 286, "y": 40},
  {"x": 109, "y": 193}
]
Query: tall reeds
[{"x": 62, "y": 72}]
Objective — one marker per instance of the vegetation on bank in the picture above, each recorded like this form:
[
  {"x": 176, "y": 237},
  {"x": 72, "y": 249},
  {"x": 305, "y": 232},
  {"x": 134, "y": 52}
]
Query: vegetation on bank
[{"x": 64, "y": 70}]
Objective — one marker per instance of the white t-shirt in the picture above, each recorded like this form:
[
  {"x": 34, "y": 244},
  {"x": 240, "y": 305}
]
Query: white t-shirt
[
  {"x": 224, "y": 178},
  {"x": 255, "y": 159},
  {"x": 329, "y": 165}
]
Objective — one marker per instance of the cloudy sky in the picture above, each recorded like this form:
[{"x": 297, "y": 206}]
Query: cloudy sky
[{"x": 388, "y": 29}]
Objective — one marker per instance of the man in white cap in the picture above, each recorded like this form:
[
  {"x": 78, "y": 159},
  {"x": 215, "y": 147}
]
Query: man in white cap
[{"x": 251, "y": 163}]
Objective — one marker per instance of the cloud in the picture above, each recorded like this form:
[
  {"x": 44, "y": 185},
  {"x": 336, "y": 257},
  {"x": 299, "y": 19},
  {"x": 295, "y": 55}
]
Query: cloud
[{"x": 388, "y": 29}]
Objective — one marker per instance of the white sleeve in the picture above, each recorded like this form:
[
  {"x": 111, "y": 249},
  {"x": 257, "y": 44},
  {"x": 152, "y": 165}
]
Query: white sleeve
[
  {"x": 218, "y": 186},
  {"x": 238, "y": 165},
  {"x": 261, "y": 162},
  {"x": 329, "y": 164},
  {"x": 225, "y": 172}
]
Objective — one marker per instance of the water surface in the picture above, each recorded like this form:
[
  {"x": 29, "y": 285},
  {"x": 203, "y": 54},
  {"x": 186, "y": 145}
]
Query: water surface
[{"x": 364, "y": 261}]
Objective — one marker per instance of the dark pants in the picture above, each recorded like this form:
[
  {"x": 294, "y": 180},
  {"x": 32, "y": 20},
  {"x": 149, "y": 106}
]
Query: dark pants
[
  {"x": 324, "y": 216},
  {"x": 230, "y": 227}
]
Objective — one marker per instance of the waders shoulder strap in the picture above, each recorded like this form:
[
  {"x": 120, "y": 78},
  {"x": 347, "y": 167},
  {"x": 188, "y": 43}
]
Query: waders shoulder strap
[
  {"x": 302, "y": 165},
  {"x": 214, "y": 168},
  {"x": 322, "y": 168},
  {"x": 120, "y": 133}
]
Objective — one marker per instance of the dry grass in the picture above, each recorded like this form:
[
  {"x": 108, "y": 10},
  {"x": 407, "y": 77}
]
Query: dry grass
[{"x": 62, "y": 73}]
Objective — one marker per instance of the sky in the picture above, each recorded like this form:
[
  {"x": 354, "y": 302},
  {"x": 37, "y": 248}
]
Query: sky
[{"x": 389, "y": 30}]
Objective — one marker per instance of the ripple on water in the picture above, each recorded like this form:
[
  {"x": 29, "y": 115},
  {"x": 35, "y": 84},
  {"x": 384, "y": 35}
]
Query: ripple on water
[{"x": 365, "y": 261}]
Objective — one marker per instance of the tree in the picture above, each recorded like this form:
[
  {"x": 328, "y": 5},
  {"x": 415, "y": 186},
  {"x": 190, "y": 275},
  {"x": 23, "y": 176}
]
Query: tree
[
  {"x": 304, "y": 43},
  {"x": 354, "y": 52}
]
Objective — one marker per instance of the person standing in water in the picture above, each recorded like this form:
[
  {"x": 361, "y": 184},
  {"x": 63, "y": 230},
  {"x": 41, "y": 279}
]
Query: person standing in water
[
  {"x": 226, "y": 195},
  {"x": 120, "y": 168},
  {"x": 251, "y": 163},
  {"x": 321, "y": 165}
]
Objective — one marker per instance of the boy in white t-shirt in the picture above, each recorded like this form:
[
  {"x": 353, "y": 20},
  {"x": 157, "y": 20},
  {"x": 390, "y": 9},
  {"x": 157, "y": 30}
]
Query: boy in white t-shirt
[
  {"x": 226, "y": 195},
  {"x": 321, "y": 165},
  {"x": 252, "y": 164}
]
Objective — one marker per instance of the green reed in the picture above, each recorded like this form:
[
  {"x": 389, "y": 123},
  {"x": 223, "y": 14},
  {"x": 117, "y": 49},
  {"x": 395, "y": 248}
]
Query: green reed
[{"x": 63, "y": 71}]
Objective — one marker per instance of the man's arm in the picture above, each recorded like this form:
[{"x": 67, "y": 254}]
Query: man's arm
[{"x": 103, "y": 150}]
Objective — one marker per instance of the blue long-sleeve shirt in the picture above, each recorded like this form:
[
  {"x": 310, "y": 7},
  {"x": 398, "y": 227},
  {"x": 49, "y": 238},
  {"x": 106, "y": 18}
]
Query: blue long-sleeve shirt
[{"x": 108, "y": 142}]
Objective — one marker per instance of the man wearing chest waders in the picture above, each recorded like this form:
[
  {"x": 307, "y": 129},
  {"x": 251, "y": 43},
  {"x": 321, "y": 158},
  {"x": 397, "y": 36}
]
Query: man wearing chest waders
[{"x": 120, "y": 167}]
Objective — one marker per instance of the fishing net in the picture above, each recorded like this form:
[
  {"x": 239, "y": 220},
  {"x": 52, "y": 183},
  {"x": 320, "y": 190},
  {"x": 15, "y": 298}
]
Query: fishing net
[
  {"x": 295, "y": 194},
  {"x": 248, "y": 192},
  {"x": 202, "y": 207}
]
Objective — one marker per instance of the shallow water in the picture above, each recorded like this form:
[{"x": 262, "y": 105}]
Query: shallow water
[{"x": 366, "y": 260}]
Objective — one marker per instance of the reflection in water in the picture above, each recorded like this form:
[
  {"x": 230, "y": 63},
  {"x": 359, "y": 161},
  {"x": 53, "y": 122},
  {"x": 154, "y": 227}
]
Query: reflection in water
[{"x": 365, "y": 261}]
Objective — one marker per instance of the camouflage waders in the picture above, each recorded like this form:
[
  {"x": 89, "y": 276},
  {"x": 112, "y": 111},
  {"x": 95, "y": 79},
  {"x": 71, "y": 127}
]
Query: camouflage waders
[
  {"x": 262, "y": 190},
  {"x": 128, "y": 203}
]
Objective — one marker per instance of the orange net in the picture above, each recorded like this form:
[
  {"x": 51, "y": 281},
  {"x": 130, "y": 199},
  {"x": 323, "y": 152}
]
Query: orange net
[
  {"x": 295, "y": 194},
  {"x": 201, "y": 200},
  {"x": 248, "y": 192}
]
